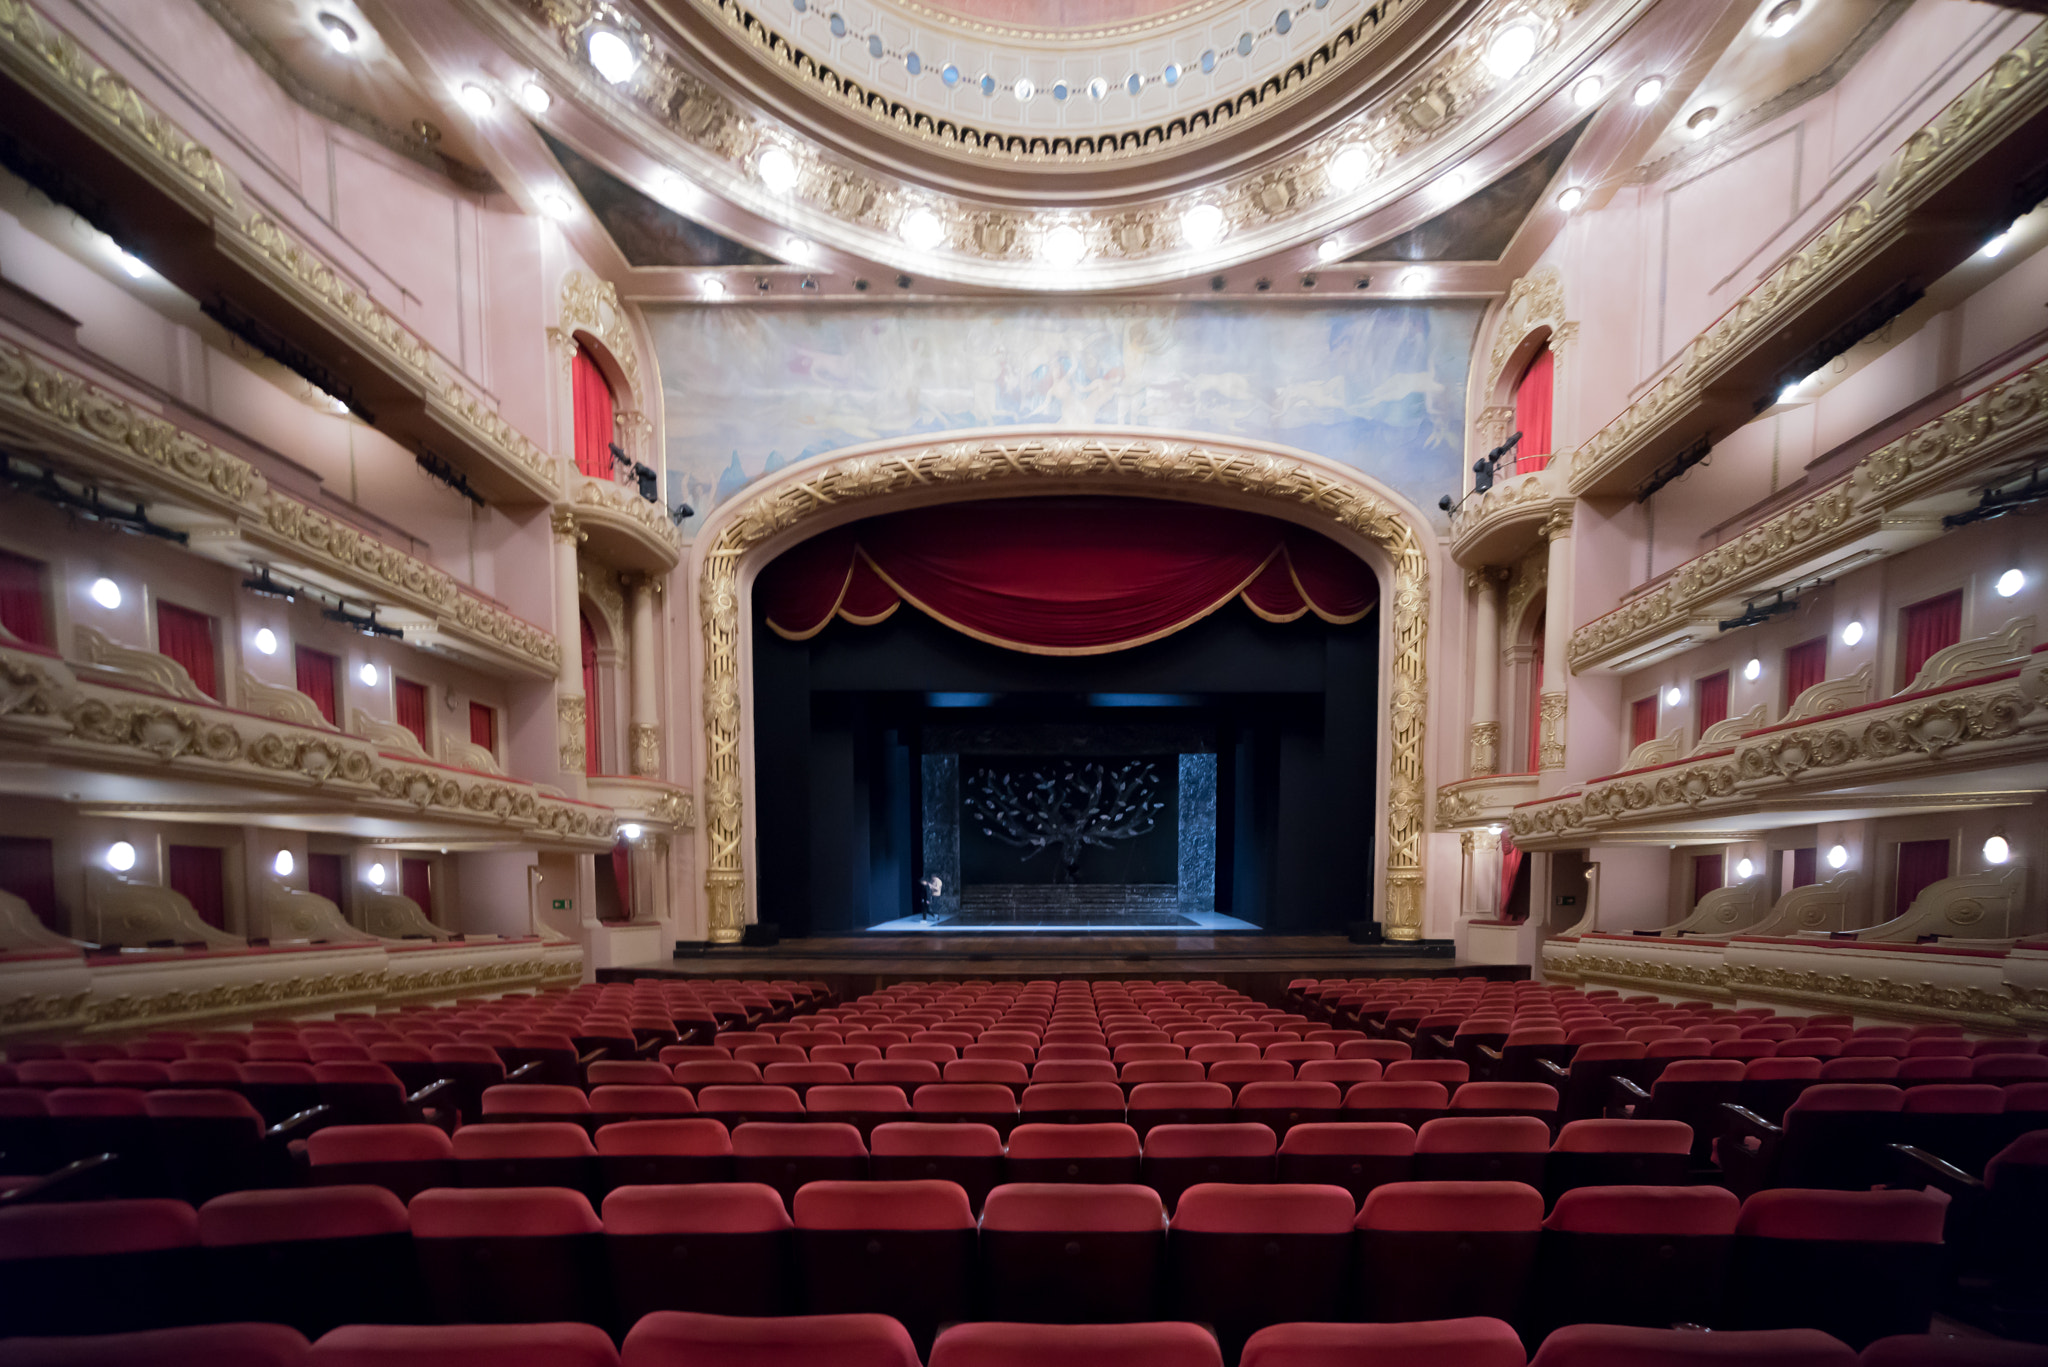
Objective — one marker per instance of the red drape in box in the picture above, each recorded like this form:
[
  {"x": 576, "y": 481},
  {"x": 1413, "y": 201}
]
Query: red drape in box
[
  {"x": 1707, "y": 870},
  {"x": 323, "y": 877},
  {"x": 1710, "y": 697},
  {"x": 1803, "y": 866},
  {"x": 483, "y": 727},
  {"x": 1920, "y": 862},
  {"x": 416, "y": 882},
  {"x": 1806, "y": 664},
  {"x": 316, "y": 671},
  {"x": 1510, "y": 865},
  {"x": 1642, "y": 721},
  {"x": 198, "y": 873},
  {"x": 1532, "y": 412},
  {"x": 622, "y": 877},
  {"x": 590, "y": 731},
  {"x": 1064, "y": 576},
  {"x": 21, "y": 599},
  {"x": 1933, "y": 625},
  {"x": 410, "y": 701},
  {"x": 593, "y": 401},
  {"x": 187, "y": 637},
  {"x": 28, "y": 869}
]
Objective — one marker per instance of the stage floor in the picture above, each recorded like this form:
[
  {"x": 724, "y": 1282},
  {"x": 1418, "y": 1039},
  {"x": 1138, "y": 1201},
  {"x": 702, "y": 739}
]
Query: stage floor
[
  {"x": 1261, "y": 965},
  {"x": 1195, "y": 923}
]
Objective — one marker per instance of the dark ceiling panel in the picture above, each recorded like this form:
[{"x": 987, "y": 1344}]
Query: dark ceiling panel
[
  {"x": 1480, "y": 226},
  {"x": 648, "y": 233}
]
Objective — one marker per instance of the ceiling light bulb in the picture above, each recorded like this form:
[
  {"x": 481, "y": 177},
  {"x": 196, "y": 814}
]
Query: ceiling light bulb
[
  {"x": 476, "y": 101},
  {"x": 535, "y": 97},
  {"x": 1997, "y": 244},
  {"x": 266, "y": 641},
  {"x": 1570, "y": 198},
  {"x": 339, "y": 32},
  {"x": 1745, "y": 869},
  {"x": 136, "y": 268},
  {"x": 1996, "y": 850},
  {"x": 1673, "y": 696},
  {"x": 1702, "y": 120},
  {"x": 1064, "y": 245},
  {"x": 106, "y": 592},
  {"x": 629, "y": 831},
  {"x": 1753, "y": 671},
  {"x": 1350, "y": 168},
  {"x": 796, "y": 249},
  {"x": 556, "y": 205},
  {"x": 283, "y": 864},
  {"x": 1782, "y": 16},
  {"x": 1202, "y": 225},
  {"x": 120, "y": 856},
  {"x": 1414, "y": 282},
  {"x": 612, "y": 55},
  {"x": 1329, "y": 249},
  {"x": 1023, "y": 90},
  {"x": 1837, "y": 857},
  {"x": 1649, "y": 90},
  {"x": 713, "y": 288},
  {"x": 1852, "y": 634},
  {"x": 776, "y": 168},
  {"x": 923, "y": 230},
  {"x": 368, "y": 674},
  {"x": 1587, "y": 91},
  {"x": 376, "y": 875},
  {"x": 2011, "y": 582},
  {"x": 1511, "y": 49},
  {"x": 1790, "y": 393}
]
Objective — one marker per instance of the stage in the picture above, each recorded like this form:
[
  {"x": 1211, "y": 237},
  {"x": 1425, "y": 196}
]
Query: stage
[{"x": 1260, "y": 965}]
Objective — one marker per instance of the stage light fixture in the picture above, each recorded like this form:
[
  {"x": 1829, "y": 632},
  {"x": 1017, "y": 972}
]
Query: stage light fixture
[
  {"x": 1753, "y": 670},
  {"x": 612, "y": 55},
  {"x": 712, "y": 288},
  {"x": 339, "y": 32},
  {"x": 1996, "y": 244},
  {"x": 1996, "y": 850},
  {"x": 1513, "y": 48},
  {"x": 283, "y": 864},
  {"x": 1837, "y": 857},
  {"x": 133, "y": 266},
  {"x": 1202, "y": 225},
  {"x": 534, "y": 96},
  {"x": 266, "y": 641},
  {"x": 1852, "y": 634},
  {"x": 1702, "y": 120},
  {"x": 1329, "y": 249},
  {"x": 476, "y": 101},
  {"x": 1570, "y": 198},
  {"x": 120, "y": 856},
  {"x": 1648, "y": 91},
  {"x": 106, "y": 593}
]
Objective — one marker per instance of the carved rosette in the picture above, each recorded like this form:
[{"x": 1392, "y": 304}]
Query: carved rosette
[
  {"x": 569, "y": 721},
  {"x": 1550, "y": 741},
  {"x": 1485, "y": 748},
  {"x": 976, "y": 468},
  {"x": 644, "y": 740}
]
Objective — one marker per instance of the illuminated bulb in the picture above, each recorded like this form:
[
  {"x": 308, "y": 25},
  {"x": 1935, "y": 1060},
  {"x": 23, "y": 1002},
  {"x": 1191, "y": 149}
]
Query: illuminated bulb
[
  {"x": 120, "y": 856},
  {"x": 1588, "y": 91},
  {"x": 106, "y": 593},
  {"x": 2011, "y": 582},
  {"x": 283, "y": 864},
  {"x": 1852, "y": 634},
  {"x": 266, "y": 641},
  {"x": 629, "y": 831},
  {"x": 1753, "y": 671},
  {"x": 923, "y": 230},
  {"x": 1570, "y": 198},
  {"x": 1350, "y": 168},
  {"x": 535, "y": 97},
  {"x": 1649, "y": 91},
  {"x": 340, "y": 34},
  {"x": 1790, "y": 393},
  {"x": 1329, "y": 249},
  {"x": 1996, "y": 244},
  {"x": 133, "y": 265},
  {"x": 1202, "y": 225},
  {"x": 1511, "y": 49},
  {"x": 1414, "y": 282},
  {"x": 1745, "y": 869},
  {"x": 1064, "y": 245},
  {"x": 1996, "y": 851},
  {"x": 776, "y": 168},
  {"x": 796, "y": 249},
  {"x": 713, "y": 288},
  {"x": 1837, "y": 857},
  {"x": 1702, "y": 120},
  {"x": 1779, "y": 21},
  {"x": 368, "y": 674},
  {"x": 556, "y": 205},
  {"x": 476, "y": 101},
  {"x": 376, "y": 875},
  {"x": 613, "y": 56},
  {"x": 1673, "y": 697},
  {"x": 1023, "y": 90}
]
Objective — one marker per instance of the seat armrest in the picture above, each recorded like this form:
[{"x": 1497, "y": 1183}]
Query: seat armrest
[
  {"x": 1624, "y": 1094},
  {"x": 1747, "y": 1148},
  {"x": 299, "y": 1126},
  {"x": 75, "y": 1181},
  {"x": 1913, "y": 1167},
  {"x": 523, "y": 1071}
]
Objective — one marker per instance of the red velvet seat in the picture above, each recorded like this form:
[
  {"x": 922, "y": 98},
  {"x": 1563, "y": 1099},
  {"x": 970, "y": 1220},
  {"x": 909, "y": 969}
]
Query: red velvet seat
[
  {"x": 1177, "y": 1157},
  {"x": 1248, "y": 1256},
  {"x": 1162, "y": 1344},
  {"x": 204, "y": 1345},
  {"x": 908, "y": 1074},
  {"x": 968, "y": 1154},
  {"x": 464, "y": 1345},
  {"x": 638, "y": 1152},
  {"x": 1451, "y": 1072},
  {"x": 525, "y": 1154},
  {"x": 737, "y": 1105},
  {"x": 1459, "y": 1148},
  {"x": 1444, "y": 1250},
  {"x": 58, "y": 1260},
  {"x": 628, "y": 1073},
  {"x": 312, "y": 1258},
  {"x": 1962, "y": 1123},
  {"x": 508, "y": 1255},
  {"x": 1617, "y": 1153},
  {"x": 785, "y": 1156},
  {"x": 722, "y": 1248},
  {"x": 983, "y": 1103},
  {"x": 1860, "y": 1265},
  {"x": 763, "y": 1056},
  {"x": 211, "y": 1141},
  {"x": 1614, "y": 1345},
  {"x": 1384, "y": 1051},
  {"x": 862, "y": 1107},
  {"x": 1538, "y": 1099},
  {"x": 701, "y": 1073},
  {"x": 1281, "y": 1105},
  {"x": 1097, "y": 1153},
  {"x": 671, "y": 1339},
  {"x": 612, "y": 1104},
  {"x": 905, "y": 1249},
  {"x": 1073, "y": 1103},
  {"x": 1357, "y": 1156},
  {"x": 1073, "y": 1070},
  {"x": 1178, "y": 1103},
  {"x": 1071, "y": 1253},
  {"x": 1402, "y": 1103},
  {"x": 1476, "y": 1342},
  {"x": 404, "y": 1159},
  {"x": 1652, "y": 1256}
]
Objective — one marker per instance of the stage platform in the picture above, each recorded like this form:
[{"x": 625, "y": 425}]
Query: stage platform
[{"x": 1259, "y": 965}]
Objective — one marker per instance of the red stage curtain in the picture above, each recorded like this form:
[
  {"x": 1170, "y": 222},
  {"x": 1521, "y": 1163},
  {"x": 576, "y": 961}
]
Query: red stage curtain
[
  {"x": 323, "y": 877},
  {"x": 1920, "y": 862},
  {"x": 21, "y": 599},
  {"x": 187, "y": 637},
  {"x": 483, "y": 726},
  {"x": 1803, "y": 866},
  {"x": 1510, "y": 865},
  {"x": 1707, "y": 872},
  {"x": 316, "y": 671},
  {"x": 1064, "y": 576},
  {"x": 1536, "y": 700},
  {"x": 1532, "y": 412},
  {"x": 416, "y": 881},
  {"x": 1642, "y": 721},
  {"x": 1710, "y": 699},
  {"x": 28, "y": 869},
  {"x": 590, "y": 730},
  {"x": 410, "y": 700},
  {"x": 198, "y": 873},
  {"x": 1806, "y": 664},
  {"x": 1933, "y": 625},
  {"x": 622, "y": 878},
  {"x": 593, "y": 400}
]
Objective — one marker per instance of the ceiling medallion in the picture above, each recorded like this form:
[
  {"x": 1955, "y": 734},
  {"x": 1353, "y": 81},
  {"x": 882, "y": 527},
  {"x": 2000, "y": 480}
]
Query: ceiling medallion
[{"x": 1380, "y": 153}]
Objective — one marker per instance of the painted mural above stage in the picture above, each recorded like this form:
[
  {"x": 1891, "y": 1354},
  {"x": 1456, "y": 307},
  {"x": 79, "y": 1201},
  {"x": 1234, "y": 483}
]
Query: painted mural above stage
[{"x": 1379, "y": 387}]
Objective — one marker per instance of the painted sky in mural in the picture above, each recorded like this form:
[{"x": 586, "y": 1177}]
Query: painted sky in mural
[{"x": 1379, "y": 387}]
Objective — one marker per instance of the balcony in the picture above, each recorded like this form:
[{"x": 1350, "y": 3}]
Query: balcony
[
  {"x": 663, "y": 807},
  {"x": 1506, "y": 522},
  {"x": 1489, "y": 800},
  {"x": 622, "y": 529}
]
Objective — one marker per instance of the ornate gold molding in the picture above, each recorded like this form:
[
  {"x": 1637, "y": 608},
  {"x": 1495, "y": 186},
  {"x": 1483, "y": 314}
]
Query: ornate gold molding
[
  {"x": 1534, "y": 301},
  {"x": 1482, "y": 801},
  {"x": 644, "y": 741},
  {"x": 1550, "y": 740},
  {"x": 592, "y": 305},
  {"x": 1021, "y": 463},
  {"x": 1485, "y": 738},
  {"x": 569, "y": 723}
]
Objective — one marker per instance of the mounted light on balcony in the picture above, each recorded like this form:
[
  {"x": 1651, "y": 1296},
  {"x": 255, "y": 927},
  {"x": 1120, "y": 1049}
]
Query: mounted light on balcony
[
  {"x": 535, "y": 98},
  {"x": 1648, "y": 91},
  {"x": 368, "y": 674},
  {"x": 1996, "y": 850},
  {"x": 1745, "y": 869},
  {"x": 1838, "y": 857},
  {"x": 922, "y": 230},
  {"x": 1753, "y": 671},
  {"x": 476, "y": 101},
  {"x": 777, "y": 169},
  {"x": 629, "y": 831},
  {"x": 106, "y": 593},
  {"x": 1673, "y": 696},
  {"x": 1996, "y": 244},
  {"x": 1570, "y": 198},
  {"x": 1063, "y": 246},
  {"x": 2011, "y": 582},
  {"x": 376, "y": 875},
  {"x": 265, "y": 641},
  {"x": 1780, "y": 18},
  {"x": 1350, "y": 168},
  {"x": 120, "y": 856},
  {"x": 1588, "y": 91},
  {"x": 612, "y": 55},
  {"x": 1852, "y": 634},
  {"x": 1329, "y": 249},
  {"x": 283, "y": 864},
  {"x": 339, "y": 32}
]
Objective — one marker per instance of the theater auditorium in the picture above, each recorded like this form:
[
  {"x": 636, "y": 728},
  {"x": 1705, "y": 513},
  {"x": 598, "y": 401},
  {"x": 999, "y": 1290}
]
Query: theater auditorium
[{"x": 1023, "y": 683}]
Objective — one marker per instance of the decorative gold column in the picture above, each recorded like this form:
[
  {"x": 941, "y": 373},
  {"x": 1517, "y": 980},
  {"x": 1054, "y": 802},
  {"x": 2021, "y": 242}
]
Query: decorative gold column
[
  {"x": 1557, "y": 635},
  {"x": 569, "y": 699},
  {"x": 644, "y": 732},
  {"x": 1485, "y": 665}
]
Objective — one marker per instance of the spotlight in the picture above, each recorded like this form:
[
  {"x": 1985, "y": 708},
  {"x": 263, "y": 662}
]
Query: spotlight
[
  {"x": 712, "y": 288},
  {"x": 1513, "y": 48},
  {"x": 1588, "y": 91},
  {"x": 1673, "y": 696},
  {"x": 1989, "y": 249},
  {"x": 923, "y": 229},
  {"x": 283, "y": 864},
  {"x": 376, "y": 875},
  {"x": 556, "y": 205},
  {"x": 266, "y": 641},
  {"x": 534, "y": 96},
  {"x": 1852, "y": 634},
  {"x": 1996, "y": 850},
  {"x": 612, "y": 55},
  {"x": 1837, "y": 857},
  {"x": 1570, "y": 198},
  {"x": 1702, "y": 120},
  {"x": 1782, "y": 16},
  {"x": 106, "y": 593},
  {"x": 2011, "y": 582},
  {"x": 1202, "y": 225},
  {"x": 263, "y": 586},
  {"x": 1649, "y": 90},
  {"x": 1064, "y": 246},
  {"x": 339, "y": 32},
  {"x": 136, "y": 268},
  {"x": 777, "y": 169},
  {"x": 1745, "y": 869},
  {"x": 797, "y": 249},
  {"x": 1753, "y": 670},
  {"x": 120, "y": 856},
  {"x": 476, "y": 101},
  {"x": 368, "y": 674}
]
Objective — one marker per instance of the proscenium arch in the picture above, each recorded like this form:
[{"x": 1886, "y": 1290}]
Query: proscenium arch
[{"x": 813, "y": 497}]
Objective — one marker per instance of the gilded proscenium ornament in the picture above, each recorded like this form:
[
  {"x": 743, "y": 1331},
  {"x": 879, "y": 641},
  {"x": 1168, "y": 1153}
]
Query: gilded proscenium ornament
[
  {"x": 985, "y": 468},
  {"x": 2015, "y": 87},
  {"x": 2002, "y": 425}
]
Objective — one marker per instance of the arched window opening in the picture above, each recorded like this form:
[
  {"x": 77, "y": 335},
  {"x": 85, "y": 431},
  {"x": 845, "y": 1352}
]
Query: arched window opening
[
  {"x": 591, "y": 730},
  {"x": 594, "y": 408},
  {"x": 1532, "y": 412}
]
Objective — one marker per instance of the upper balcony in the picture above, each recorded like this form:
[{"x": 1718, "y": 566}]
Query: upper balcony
[
  {"x": 623, "y": 529},
  {"x": 1506, "y": 522},
  {"x": 101, "y": 150}
]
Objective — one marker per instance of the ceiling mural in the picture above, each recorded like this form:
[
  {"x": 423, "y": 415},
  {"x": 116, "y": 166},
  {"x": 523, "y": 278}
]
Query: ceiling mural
[{"x": 1379, "y": 387}]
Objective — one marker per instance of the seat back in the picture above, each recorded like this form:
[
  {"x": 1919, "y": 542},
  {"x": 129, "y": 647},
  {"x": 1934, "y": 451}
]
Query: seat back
[
  {"x": 968, "y": 1154},
  {"x": 1248, "y": 1256},
  {"x": 512, "y": 1255},
  {"x": 1071, "y": 1253},
  {"x": 1105, "y": 1152},
  {"x": 904, "y": 1249},
  {"x": 1649, "y": 1256},
  {"x": 1860, "y": 1265},
  {"x": 1441, "y": 1250},
  {"x": 312, "y": 1258},
  {"x": 1177, "y": 1157},
  {"x": 723, "y": 1248},
  {"x": 1459, "y": 1148},
  {"x": 785, "y": 1156}
]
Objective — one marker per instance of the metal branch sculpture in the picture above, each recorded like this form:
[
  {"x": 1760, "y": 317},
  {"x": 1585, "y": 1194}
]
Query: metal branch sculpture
[{"x": 1066, "y": 808}]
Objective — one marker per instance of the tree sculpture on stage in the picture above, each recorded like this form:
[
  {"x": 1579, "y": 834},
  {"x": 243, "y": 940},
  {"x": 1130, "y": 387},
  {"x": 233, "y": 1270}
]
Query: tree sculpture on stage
[{"x": 1066, "y": 808}]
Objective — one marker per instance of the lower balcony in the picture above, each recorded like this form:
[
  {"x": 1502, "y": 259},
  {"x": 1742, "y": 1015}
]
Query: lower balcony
[
  {"x": 1489, "y": 800},
  {"x": 622, "y": 529}
]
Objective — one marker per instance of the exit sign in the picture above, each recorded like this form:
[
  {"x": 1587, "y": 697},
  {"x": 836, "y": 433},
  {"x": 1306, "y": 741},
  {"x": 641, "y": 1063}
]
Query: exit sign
[{"x": 562, "y": 903}]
